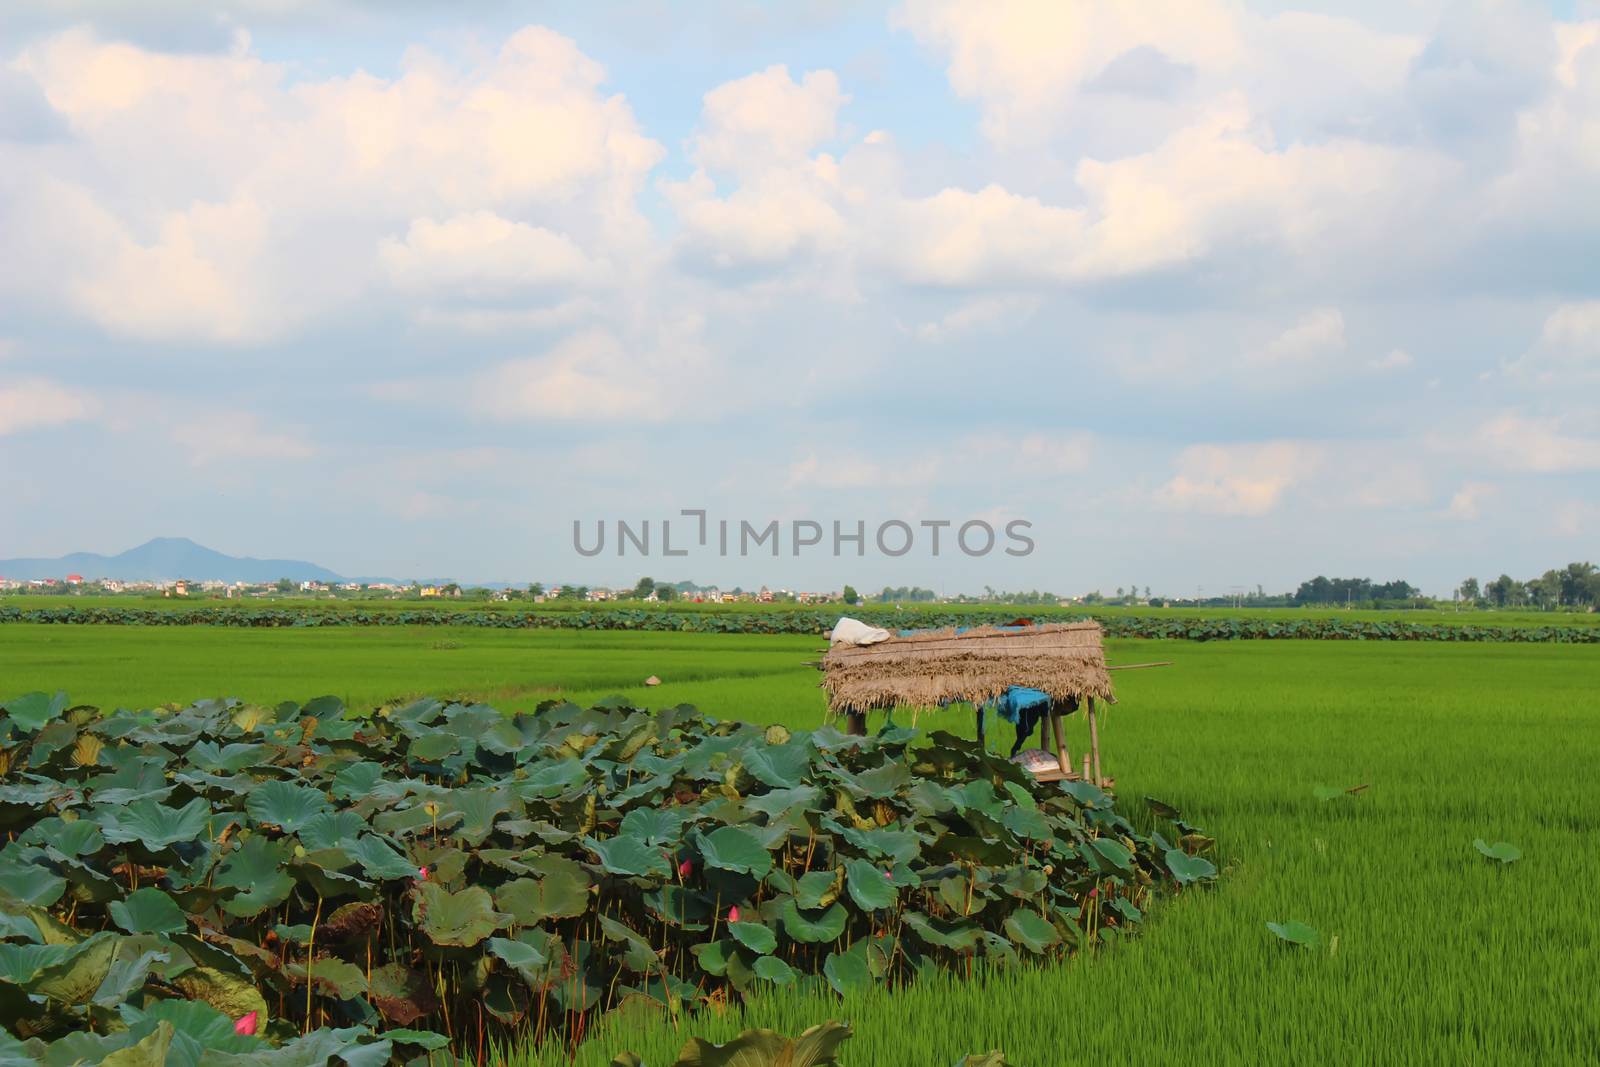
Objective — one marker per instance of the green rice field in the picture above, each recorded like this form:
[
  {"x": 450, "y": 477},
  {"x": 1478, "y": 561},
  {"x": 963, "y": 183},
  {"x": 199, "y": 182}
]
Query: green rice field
[{"x": 1429, "y": 953}]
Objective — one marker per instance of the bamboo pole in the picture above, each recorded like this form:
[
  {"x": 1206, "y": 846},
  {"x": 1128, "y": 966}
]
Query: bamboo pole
[
  {"x": 1094, "y": 741},
  {"x": 1063, "y": 758},
  {"x": 1138, "y": 666}
]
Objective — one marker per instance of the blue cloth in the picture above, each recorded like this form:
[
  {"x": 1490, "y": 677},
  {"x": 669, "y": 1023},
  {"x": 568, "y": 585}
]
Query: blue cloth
[{"x": 1018, "y": 699}]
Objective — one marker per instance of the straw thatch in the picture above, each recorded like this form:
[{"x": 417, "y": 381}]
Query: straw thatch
[{"x": 1065, "y": 660}]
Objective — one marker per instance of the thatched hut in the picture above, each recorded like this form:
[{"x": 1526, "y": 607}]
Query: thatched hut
[{"x": 933, "y": 668}]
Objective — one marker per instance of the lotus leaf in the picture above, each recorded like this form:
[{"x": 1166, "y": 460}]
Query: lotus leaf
[
  {"x": 148, "y": 911},
  {"x": 464, "y": 918},
  {"x": 734, "y": 848}
]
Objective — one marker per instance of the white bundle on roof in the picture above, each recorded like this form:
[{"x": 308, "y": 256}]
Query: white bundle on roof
[{"x": 849, "y": 631}]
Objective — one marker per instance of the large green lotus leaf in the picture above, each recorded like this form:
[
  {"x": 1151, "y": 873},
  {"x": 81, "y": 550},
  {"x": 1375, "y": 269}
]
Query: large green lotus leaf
[
  {"x": 754, "y": 936},
  {"x": 816, "y": 889},
  {"x": 561, "y": 892},
  {"x": 150, "y": 824},
  {"x": 800, "y": 799},
  {"x": 778, "y": 767},
  {"x": 767, "y": 1048},
  {"x": 402, "y": 995},
  {"x": 626, "y": 854},
  {"x": 76, "y": 838},
  {"x": 127, "y": 974},
  {"x": 961, "y": 936},
  {"x": 463, "y": 918},
  {"x": 1031, "y": 930},
  {"x": 31, "y": 711},
  {"x": 847, "y": 972},
  {"x": 425, "y": 1039},
  {"x": 19, "y": 964},
  {"x": 323, "y": 707},
  {"x": 1086, "y": 793},
  {"x": 231, "y": 994},
  {"x": 148, "y": 911},
  {"x": 637, "y": 956},
  {"x": 713, "y": 956},
  {"x": 74, "y": 978},
  {"x": 899, "y": 846},
  {"x": 478, "y": 808},
  {"x": 680, "y": 906},
  {"x": 331, "y": 829},
  {"x": 1115, "y": 852},
  {"x": 552, "y": 779},
  {"x": 28, "y": 883},
  {"x": 522, "y": 957},
  {"x": 379, "y": 860},
  {"x": 733, "y": 848},
  {"x": 324, "y": 871},
  {"x": 405, "y": 821},
  {"x": 198, "y": 1030},
  {"x": 285, "y": 805},
  {"x": 1296, "y": 933},
  {"x": 1186, "y": 868},
  {"x": 1500, "y": 851},
  {"x": 225, "y": 759},
  {"x": 774, "y": 970},
  {"x": 829, "y": 926},
  {"x": 269, "y": 892},
  {"x": 315, "y": 1049},
  {"x": 870, "y": 886},
  {"x": 144, "y": 1046},
  {"x": 357, "y": 780},
  {"x": 1026, "y": 823},
  {"x": 436, "y": 745},
  {"x": 331, "y": 977},
  {"x": 656, "y": 826}
]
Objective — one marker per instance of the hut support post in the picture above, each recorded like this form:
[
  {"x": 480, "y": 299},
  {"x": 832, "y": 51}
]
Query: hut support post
[
  {"x": 1094, "y": 741},
  {"x": 1063, "y": 759},
  {"x": 857, "y": 723}
]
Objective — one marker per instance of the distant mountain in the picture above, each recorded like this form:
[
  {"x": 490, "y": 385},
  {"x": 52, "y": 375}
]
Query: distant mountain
[{"x": 167, "y": 558}]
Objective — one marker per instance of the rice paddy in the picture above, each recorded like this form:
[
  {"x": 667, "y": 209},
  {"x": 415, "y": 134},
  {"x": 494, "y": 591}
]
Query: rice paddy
[{"x": 1428, "y": 952}]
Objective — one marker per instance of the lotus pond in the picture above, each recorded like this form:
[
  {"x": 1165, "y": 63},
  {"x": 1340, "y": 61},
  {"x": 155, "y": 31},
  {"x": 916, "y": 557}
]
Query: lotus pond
[{"x": 1424, "y": 949}]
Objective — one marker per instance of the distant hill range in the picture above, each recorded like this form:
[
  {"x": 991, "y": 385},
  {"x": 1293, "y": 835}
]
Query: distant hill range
[{"x": 167, "y": 558}]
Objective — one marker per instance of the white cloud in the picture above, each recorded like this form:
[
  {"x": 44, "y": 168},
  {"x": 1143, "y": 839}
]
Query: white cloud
[
  {"x": 1568, "y": 350},
  {"x": 226, "y": 436},
  {"x": 210, "y": 197},
  {"x": 1467, "y": 502},
  {"x": 34, "y": 403},
  {"x": 1317, "y": 334},
  {"x": 1539, "y": 445},
  {"x": 1238, "y": 479},
  {"x": 980, "y": 315},
  {"x": 767, "y": 119},
  {"x": 836, "y": 471},
  {"x": 594, "y": 374},
  {"x": 1394, "y": 359},
  {"x": 482, "y": 255}
]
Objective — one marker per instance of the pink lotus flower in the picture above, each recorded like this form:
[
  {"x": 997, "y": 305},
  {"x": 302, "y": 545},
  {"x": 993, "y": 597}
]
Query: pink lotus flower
[
  {"x": 888, "y": 876},
  {"x": 733, "y": 914},
  {"x": 1095, "y": 891},
  {"x": 245, "y": 1024},
  {"x": 422, "y": 874},
  {"x": 684, "y": 868}
]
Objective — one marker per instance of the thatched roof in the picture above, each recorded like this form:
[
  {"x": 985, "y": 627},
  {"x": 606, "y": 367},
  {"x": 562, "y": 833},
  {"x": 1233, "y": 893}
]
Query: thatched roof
[{"x": 927, "y": 669}]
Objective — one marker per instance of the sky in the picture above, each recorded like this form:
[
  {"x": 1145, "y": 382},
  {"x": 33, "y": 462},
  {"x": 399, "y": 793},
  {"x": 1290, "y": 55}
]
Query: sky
[{"x": 1208, "y": 295}]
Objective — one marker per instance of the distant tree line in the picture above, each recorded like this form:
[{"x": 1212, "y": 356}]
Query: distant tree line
[
  {"x": 1364, "y": 591},
  {"x": 1575, "y": 586},
  {"x": 900, "y": 594}
]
